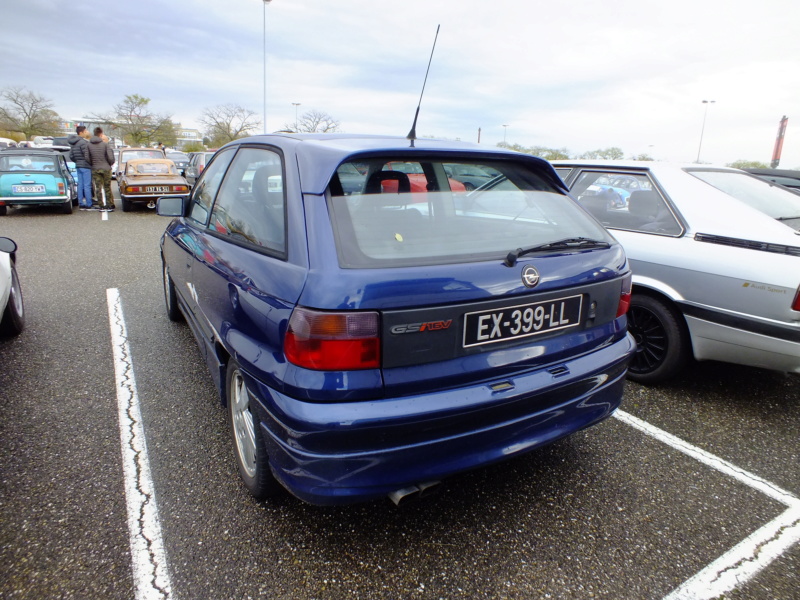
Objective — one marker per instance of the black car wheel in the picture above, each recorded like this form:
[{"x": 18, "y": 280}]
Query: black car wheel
[
  {"x": 661, "y": 339},
  {"x": 127, "y": 205},
  {"x": 3, "y": 211},
  {"x": 251, "y": 457},
  {"x": 170, "y": 297},
  {"x": 66, "y": 208},
  {"x": 13, "y": 320}
]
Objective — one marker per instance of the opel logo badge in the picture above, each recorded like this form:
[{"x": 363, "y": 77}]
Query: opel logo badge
[{"x": 530, "y": 276}]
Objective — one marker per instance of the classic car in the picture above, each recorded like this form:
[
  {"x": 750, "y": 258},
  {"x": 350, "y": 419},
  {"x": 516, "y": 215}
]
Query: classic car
[
  {"x": 715, "y": 254},
  {"x": 12, "y": 312},
  {"x": 144, "y": 180},
  {"x": 31, "y": 176},
  {"x": 126, "y": 154},
  {"x": 366, "y": 344}
]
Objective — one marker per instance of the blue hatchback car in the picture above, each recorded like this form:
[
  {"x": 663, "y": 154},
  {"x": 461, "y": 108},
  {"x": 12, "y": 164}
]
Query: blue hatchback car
[{"x": 373, "y": 339}]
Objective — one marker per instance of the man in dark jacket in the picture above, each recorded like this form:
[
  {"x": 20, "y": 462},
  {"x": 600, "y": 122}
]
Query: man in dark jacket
[
  {"x": 101, "y": 158},
  {"x": 77, "y": 142}
]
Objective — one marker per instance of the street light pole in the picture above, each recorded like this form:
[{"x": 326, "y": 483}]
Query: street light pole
[
  {"x": 505, "y": 128},
  {"x": 265, "y": 63},
  {"x": 295, "y": 104},
  {"x": 702, "y": 130}
]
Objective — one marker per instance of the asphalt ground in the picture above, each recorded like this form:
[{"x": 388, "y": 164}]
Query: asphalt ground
[{"x": 611, "y": 512}]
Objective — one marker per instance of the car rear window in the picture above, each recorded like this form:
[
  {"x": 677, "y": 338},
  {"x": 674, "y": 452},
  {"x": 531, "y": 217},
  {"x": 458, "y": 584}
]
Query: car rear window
[
  {"x": 28, "y": 163},
  {"x": 390, "y": 212},
  {"x": 775, "y": 201}
]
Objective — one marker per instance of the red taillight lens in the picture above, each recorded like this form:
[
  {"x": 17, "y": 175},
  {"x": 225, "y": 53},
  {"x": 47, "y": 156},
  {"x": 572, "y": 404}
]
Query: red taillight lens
[
  {"x": 180, "y": 188},
  {"x": 796, "y": 303},
  {"x": 333, "y": 341},
  {"x": 625, "y": 295}
]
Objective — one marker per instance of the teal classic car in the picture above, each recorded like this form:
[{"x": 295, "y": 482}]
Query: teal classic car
[{"x": 35, "y": 177}]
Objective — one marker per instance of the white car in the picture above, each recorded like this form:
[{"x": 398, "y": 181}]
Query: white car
[
  {"x": 12, "y": 320},
  {"x": 715, "y": 254}
]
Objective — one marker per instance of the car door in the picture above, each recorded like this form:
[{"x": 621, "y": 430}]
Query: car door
[
  {"x": 183, "y": 246},
  {"x": 245, "y": 286}
]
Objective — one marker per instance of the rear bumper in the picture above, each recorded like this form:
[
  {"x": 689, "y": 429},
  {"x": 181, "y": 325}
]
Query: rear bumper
[
  {"x": 22, "y": 200},
  {"x": 335, "y": 453},
  {"x": 149, "y": 197}
]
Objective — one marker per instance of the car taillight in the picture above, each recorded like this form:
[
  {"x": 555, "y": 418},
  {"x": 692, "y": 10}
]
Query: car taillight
[
  {"x": 796, "y": 303},
  {"x": 333, "y": 341},
  {"x": 132, "y": 188},
  {"x": 180, "y": 188},
  {"x": 61, "y": 188},
  {"x": 625, "y": 295}
]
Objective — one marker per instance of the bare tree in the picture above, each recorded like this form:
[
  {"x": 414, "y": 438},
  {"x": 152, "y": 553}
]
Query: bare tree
[
  {"x": 133, "y": 121},
  {"x": 28, "y": 113},
  {"x": 314, "y": 121},
  {"x": 227, "y": 122},
  {"x": 612, "y": 153}
]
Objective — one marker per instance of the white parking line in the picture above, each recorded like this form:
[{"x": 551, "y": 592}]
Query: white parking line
[
  {"x": 752, "y": 554},
  {"x": 149, "y": 561}
]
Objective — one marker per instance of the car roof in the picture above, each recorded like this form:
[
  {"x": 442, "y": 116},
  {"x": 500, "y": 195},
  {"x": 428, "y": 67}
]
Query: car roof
[
  {"x": 318, "y": 155},
  {"x": 38, "y": 151}
]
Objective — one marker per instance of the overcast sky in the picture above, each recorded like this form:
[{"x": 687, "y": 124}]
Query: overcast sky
[{"x": 580, "y": 75}]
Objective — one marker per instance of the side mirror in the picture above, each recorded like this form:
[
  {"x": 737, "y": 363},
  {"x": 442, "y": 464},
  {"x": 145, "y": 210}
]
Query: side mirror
[
  {"x": 171, "y": 206},
  {"x": 7, "y": 245}
]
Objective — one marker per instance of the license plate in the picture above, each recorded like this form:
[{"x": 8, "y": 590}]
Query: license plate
[
  {"x": 524, "y": 320},
  {"x": 27, "y": 189},
  {"x": 158, "y": 189}
]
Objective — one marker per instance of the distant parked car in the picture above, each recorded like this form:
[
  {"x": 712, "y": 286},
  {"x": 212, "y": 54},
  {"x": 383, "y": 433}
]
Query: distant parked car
[
  {"x": 784, "y": 177},
  {"x": 197, "y": 163},
  {"x": 126, "y": 154},
  {"x": 32, "y": 176},
  {"x": 12, "y": 312},
  {"x": 144, "y": 180},
  {"x": 181, "y": 160},
  {"x": 715, "y": 254}
]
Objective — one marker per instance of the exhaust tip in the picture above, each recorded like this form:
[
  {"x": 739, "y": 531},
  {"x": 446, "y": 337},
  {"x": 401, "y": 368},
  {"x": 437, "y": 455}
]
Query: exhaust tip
[{"x": 414, "y": 492}]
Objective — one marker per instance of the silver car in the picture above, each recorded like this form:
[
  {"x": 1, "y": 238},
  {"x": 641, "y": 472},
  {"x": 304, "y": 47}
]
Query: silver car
[{"x": 715, "y": 254}]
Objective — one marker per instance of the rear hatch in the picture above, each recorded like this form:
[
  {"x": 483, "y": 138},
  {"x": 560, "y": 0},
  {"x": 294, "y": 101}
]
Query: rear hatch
[{"x": 468, "y": 286}]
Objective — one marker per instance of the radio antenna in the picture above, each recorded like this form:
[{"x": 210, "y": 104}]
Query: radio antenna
[{"x": 412, "y": 135}]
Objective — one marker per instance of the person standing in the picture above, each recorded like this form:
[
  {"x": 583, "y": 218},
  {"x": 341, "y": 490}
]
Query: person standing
[
  {"x": 102, "y": 160},
  {"x": 77, "y": 154}
]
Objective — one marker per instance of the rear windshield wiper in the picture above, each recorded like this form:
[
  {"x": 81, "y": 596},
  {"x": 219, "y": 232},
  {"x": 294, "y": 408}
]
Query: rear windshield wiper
[
  {"x": 574, "y": 243},
  {"x": 788, "y": 218}
]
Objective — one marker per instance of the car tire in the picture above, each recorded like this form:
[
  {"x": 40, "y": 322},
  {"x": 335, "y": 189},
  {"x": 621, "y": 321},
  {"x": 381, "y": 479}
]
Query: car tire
[
  {"x": 251, "y": 456},
  {"x": 171, "y": 297},
  {"x": 13, "y": 320},
  {"x": 661, "y": 339},
  {"x": 127, "y": 205},
  {"x": 66, "y": 208},
  {"x": 3, "y": 211},
  {"x": 468, "y": 186}
]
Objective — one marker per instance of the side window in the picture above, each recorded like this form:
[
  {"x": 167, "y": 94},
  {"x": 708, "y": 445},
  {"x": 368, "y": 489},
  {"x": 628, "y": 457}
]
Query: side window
[
  {"x": 251, "y": 203},
  {"x": 207, "y": 186},
  {"x": 625, "y": 201}
]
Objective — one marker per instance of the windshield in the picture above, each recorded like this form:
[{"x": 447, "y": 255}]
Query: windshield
[
  {"x": 178, "y": 156},
  {"x": 28, "y": 163},
  {"x": 755, "y": 192},
  {"x": 384, "y": 216}
]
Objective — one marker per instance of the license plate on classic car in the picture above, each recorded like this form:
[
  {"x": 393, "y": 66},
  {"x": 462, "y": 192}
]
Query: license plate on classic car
[
  {"x": 27, "y": 189},
  {"x": 490, "y": 326},
  {"x": 158, "y": 189}
]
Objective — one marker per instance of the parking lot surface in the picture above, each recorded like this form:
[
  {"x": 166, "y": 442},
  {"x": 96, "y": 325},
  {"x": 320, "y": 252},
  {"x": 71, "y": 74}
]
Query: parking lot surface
[{"x": 637, "y": 507}]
